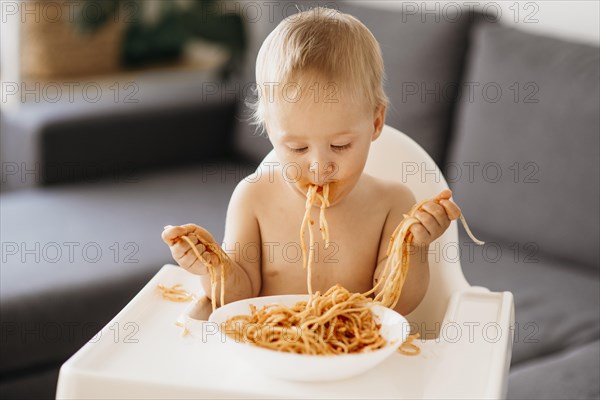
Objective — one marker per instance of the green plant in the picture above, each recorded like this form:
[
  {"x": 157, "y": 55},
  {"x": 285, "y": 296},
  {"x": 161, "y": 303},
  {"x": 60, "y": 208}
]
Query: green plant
[{"x": 163, "y": 40}]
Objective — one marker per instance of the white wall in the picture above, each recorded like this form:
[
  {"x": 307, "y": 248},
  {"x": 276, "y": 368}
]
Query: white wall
[
  {"x": 573, "y": 20},
  {"x": 577, "y": 20}
]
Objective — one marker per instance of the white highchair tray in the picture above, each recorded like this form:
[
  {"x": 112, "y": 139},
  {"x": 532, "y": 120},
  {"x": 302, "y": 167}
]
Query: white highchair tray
[{"x": 141, "y": 353}]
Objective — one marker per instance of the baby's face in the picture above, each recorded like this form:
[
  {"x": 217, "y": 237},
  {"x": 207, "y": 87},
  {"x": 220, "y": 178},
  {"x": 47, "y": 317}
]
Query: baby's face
[{"x": 322, "y": 142}]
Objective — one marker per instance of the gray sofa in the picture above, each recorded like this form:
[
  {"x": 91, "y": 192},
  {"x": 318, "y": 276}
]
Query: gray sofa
[{"x": 523, "y": 164}]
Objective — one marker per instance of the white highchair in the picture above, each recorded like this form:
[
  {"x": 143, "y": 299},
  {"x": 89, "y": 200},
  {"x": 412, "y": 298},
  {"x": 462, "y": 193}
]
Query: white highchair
[
  {"x": 473, "y": 324},
  {"x": 141, "y": 353}
]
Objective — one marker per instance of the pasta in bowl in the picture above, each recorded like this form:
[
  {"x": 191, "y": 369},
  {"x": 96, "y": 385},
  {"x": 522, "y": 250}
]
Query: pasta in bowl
[{"x": 288, "y": 350}]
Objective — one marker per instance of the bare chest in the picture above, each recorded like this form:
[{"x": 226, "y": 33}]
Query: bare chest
[{"x": 350, "y": 259}]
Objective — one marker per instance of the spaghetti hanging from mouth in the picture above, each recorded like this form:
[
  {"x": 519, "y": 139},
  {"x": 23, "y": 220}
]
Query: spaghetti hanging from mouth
[{"x": 311, "y": 195}]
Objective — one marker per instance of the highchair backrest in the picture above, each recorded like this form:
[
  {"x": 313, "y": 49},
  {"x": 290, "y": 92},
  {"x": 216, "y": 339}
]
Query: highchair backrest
[{"x": 395, "y": 156}]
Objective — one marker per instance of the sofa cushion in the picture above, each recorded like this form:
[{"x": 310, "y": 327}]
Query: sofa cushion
[
  {"x": 569, "y": 375},
  {"x": 74, "y": 255},
  {"x": 556, "y": 302},
  {"x": 525, "y": 160},
  {"x": 423, "y": 55},
  {"x": 168, "y": 122}
]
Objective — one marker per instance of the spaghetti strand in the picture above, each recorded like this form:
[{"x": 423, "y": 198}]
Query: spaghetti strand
[{"x": 212, "y": 269}]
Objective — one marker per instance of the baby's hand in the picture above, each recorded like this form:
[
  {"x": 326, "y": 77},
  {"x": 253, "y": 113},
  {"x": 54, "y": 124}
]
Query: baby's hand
[
  {"x": 182, "y": 251},
  {"x": 435, "y": 217}
]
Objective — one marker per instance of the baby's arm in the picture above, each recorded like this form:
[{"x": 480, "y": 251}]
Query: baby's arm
[
  {"x": 417, "y": 280},
  {"x": 241, "y": 233},
  {"x": 434, "y": 218},
  {"x": 241, "y": 230}
]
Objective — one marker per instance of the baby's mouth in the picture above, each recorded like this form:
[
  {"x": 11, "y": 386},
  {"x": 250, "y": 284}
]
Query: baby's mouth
[
  {"x": 321, "y": 192},
  {"x": 319, "y": 188},
  {"x": 302, "y": 188}
]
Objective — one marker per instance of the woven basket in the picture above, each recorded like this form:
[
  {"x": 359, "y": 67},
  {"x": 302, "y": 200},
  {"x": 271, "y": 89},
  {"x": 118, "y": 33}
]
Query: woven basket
[{"x": 52, "y": 48}]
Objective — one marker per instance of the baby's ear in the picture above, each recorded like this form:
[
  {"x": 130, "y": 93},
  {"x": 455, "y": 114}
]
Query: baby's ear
[{"x": 378, "y": 122}]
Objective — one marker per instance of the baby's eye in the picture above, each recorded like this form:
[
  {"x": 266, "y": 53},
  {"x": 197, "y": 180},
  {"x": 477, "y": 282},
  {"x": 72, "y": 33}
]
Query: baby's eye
[
  {"x": 298, "y": 149},
  {"x": 342, "y": 147}
]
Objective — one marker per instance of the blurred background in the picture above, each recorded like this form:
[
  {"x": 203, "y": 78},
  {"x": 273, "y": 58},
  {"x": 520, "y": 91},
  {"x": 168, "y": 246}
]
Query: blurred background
[{"x": 119, "y": 117}]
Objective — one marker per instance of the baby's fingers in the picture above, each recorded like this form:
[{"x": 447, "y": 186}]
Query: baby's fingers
[
  {"x": 200, "y": 232},
  {"x": 428, "y": 222},
  {"x": 210, "y": 258},
  {"x": 421, "y": 236},
  {"x": 444, "y": 195},
  {"x": 192, "y": 263},
  {"x": 451, "y": 209},
  {"x": 171, "y": 234},
  {"x": 182, "y": 247},
  {"x": 438, "y": 212}
]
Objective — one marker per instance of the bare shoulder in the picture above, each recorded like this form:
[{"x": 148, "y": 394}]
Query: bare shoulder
[
  {"x": 397, "y": 196},
  {"x": 241, "y": 222},
  {"x": 257, "y": 188},
  {"x": 251, "y": 190},
  {"x": 398, "y": 199}
]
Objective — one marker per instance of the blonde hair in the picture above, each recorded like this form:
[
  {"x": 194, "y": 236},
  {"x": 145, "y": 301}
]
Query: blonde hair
[{"x": 319, "y": 44}]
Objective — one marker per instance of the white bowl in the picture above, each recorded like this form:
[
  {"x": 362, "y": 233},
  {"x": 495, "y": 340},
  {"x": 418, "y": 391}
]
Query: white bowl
[{"x": 311, "y": 368}]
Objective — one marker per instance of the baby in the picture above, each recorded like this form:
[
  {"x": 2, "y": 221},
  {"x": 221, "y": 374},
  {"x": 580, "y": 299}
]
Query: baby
[{"x": 321, "y": 101}]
